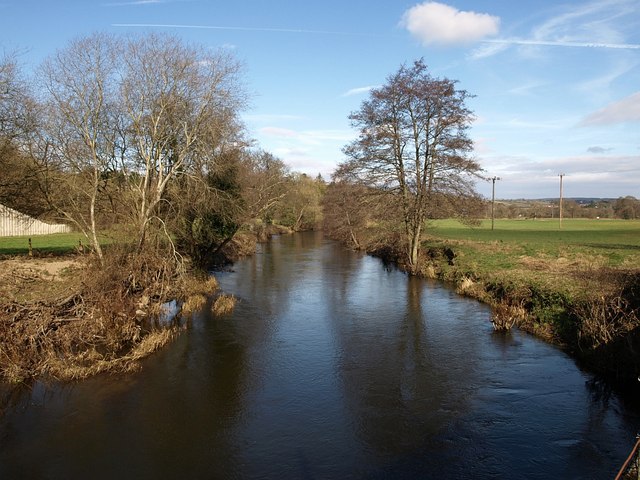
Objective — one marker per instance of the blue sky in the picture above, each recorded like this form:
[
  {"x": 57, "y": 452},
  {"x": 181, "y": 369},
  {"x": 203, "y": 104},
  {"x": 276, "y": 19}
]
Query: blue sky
[{"x": 557, "y": 84}]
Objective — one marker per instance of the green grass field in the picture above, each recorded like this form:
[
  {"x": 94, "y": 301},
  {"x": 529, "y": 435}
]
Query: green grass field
[
  {"x": 56, "y": 244},
  {"x": 616, "y": 242},
  {"x": 537, "y": 253}
]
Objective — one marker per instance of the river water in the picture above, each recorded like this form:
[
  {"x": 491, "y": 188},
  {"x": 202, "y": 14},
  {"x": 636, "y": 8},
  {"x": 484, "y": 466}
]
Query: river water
[{"x": 332, "y": 366}]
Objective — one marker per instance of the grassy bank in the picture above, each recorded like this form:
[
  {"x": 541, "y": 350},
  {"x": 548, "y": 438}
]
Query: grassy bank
[{"x": 577, "y": 286}]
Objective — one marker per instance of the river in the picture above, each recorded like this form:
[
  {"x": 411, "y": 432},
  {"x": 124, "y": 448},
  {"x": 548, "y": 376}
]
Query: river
[{"x": 332, "y": 366}]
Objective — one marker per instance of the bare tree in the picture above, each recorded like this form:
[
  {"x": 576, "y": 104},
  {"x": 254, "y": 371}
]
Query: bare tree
[
  {"x": 125, "y": 117},
  {"x": 627, "y": 208},
  {"x": 207, "y": 209},
  {"x": 18, "y": 186},
  {"x": 348, "y": 210},
  {"x": 413, "y": 146},
  {"x": 301, "y": 206},
  {"x": 264, "y": 184},
  {"x": 80, "y": 83},
  {"x": 178, "y": 102}
]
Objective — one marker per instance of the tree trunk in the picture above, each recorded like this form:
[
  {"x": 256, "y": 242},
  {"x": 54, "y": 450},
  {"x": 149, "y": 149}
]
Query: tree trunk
[
  {"x": 94, "y": 236},
  {"x": 414, "y": 247}
]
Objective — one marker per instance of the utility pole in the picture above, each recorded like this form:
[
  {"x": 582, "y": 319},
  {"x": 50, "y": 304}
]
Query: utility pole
[
  {"x": 560, "y": 213},
  {"x": 493, "y": 199}
]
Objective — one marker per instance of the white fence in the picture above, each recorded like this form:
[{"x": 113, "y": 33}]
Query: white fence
[{"x": 14, "y": 223}]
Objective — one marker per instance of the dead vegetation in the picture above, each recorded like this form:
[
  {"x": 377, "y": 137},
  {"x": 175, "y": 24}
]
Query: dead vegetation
[
  {"x": 90, "y": 319},
  {"x": 506, "y": 315},
  {"x": 223, "y": 304},
  {"x": 611, "y": 310}
]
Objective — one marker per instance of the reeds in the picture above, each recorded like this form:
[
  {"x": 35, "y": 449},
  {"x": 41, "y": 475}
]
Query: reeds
[
  {"x": 505, "y": 316},
  {"x": 223, "y": 304}
]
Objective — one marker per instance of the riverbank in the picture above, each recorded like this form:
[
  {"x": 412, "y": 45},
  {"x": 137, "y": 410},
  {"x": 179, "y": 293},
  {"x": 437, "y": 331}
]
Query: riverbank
[
  {"x": 578, "y": 289},
  {"x": 330, "y": 365},
  {"x": 64, "y": 317}
]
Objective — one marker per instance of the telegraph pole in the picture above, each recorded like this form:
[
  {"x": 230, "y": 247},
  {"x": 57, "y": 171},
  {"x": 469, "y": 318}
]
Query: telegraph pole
[
  {"x": 560, "y": 214},
  {"x": 493, "y": 199}
]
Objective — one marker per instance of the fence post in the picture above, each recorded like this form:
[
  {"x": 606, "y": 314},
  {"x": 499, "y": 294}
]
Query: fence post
[{"x": 30, "y": 248}]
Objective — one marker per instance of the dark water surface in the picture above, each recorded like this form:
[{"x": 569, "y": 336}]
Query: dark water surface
[{"x": 331, "y": 366}]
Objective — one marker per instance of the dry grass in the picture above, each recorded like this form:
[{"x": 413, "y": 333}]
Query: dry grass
[
  {"x": 465, "y": 285},
  {"x": 198, "y": 289},
  {"x": 505, "y": 315},
  {"x": 223, "y": 304},
  {"x": 201, "y": 285},
  {"x": 91, "y": 362},
  {"x": 194, "y": 303},
  {"x": 26, "y": 279},
  {"x": 612, "y": 310},
  {"x": 97, "y": 319}
]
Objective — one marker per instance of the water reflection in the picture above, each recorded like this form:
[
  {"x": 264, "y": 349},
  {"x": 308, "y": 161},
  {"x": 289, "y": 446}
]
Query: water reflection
[{"x": 331, "y": 366}]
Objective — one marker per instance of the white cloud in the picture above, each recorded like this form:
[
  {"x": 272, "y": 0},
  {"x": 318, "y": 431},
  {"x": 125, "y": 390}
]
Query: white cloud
[
  {"x": 308, "y": 137},
  {"x": 591, "y": 175},
  {"x": 601, "y": 24},
  {"x": 278, "y": 132},
  {"x": 622, "y": 111},
  {"x": 482, "y": 145},
  {"x": 437, "y": 23},
  {"x": 598, "y": 89},
  {"x": 601, "y": 21},
  {"x": 525, "y": 89},
  {"x": 563, "y": 43},
  {"x": 308, "y": 151},
  {"x": 359, "y": 90}
]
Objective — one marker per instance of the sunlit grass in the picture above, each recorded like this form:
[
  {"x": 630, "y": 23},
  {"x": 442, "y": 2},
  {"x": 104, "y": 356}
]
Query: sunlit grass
[
  {"x": 55, "y": 243},
  {"x": 617, "y": 242},
  {"x": 538, "y": 251}
]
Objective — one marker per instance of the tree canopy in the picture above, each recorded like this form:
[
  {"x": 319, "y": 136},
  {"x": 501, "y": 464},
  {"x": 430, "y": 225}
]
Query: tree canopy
[{"x": 413, "y": 146}]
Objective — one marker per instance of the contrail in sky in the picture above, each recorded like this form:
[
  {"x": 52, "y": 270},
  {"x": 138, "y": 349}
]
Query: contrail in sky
[
  {"x": 245, "y": 29},
  {"x": 329, "y": 32},
  {"x": 565, "y": 44}
]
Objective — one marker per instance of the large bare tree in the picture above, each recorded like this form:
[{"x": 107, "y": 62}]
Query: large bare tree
[
  {"x": 413, "y": 146},
  {"x": 127, "y": 116}
]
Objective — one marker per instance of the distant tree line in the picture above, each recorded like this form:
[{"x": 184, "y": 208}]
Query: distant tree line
[
  {"x": 142, "y": 136},
  {"x": 627, "y": 208}
]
